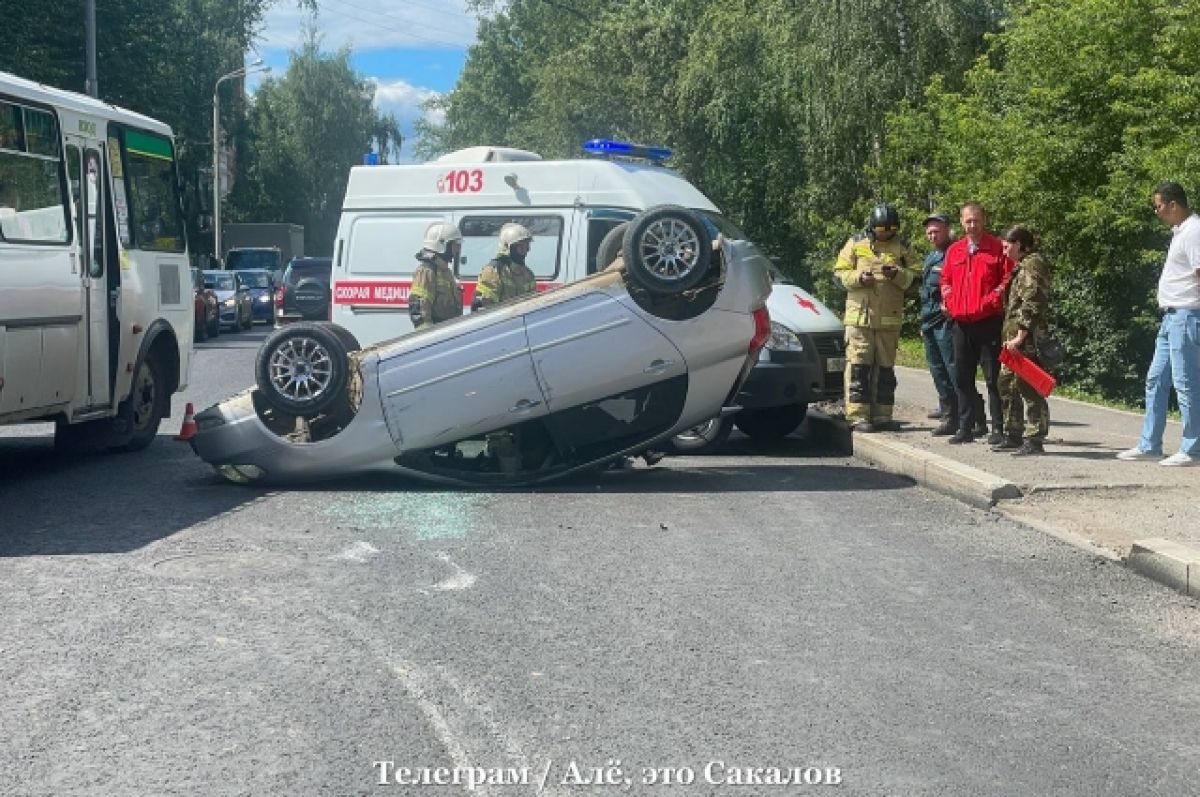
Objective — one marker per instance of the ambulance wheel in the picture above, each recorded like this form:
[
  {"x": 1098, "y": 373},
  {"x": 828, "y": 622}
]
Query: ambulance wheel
[
  {"x": 771, "y": 423},
  {"x": 667, "y": 249},
  {"x": 302, "y": 369},
  {"x": 703, "y": 437},
  {"x": 610, "y": 247}
]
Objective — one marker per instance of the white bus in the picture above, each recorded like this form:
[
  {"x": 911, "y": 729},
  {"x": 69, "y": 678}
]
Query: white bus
[{"x": 96, "y": 297}]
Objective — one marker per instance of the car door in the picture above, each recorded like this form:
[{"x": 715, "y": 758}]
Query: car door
[
  {"x": 608, "y": 376},
  {"x": 460, "y": 385}
]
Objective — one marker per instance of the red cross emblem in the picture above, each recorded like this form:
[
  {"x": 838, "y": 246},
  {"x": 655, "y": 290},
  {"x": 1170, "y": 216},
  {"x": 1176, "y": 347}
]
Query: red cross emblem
[{"x": 806, "y": 303}]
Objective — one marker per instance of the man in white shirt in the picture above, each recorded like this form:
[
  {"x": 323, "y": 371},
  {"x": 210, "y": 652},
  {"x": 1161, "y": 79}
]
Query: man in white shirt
[{"x": 1177, "y": 348}]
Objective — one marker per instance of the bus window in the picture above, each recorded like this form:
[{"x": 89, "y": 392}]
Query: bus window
[
  {"x": 153, "y": 193},
  {"x": 33, "y": 206}
]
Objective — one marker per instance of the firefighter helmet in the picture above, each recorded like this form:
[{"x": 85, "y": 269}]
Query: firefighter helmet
[
  {"x": 439, "y": 236},
  {"x": 511, "y": 234}
]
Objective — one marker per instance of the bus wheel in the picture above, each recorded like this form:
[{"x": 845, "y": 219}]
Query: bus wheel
[{"x": 145, "y": 405}]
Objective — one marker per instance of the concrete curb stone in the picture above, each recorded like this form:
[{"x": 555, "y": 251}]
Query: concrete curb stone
[
  {"x": 968, "y": 484},
  {"x": 1167, "y": 562}
]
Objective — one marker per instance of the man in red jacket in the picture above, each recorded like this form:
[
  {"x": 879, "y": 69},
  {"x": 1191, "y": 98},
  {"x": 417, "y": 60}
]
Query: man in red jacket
[{"x": 974, "y": 279}]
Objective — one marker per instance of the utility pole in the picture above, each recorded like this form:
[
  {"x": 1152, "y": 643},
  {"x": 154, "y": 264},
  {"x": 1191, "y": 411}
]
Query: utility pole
[
  {"x": 93, "y": 87},
  {"x": 256, "y": 66}
]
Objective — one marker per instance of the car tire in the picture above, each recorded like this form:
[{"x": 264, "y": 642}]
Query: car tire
[
  {"x": 145, "y": 406},
  {"x": 610, "y": 246},
  {"x": 311, "y": 298},
  {"x": 667, "y": 250},
  {"x": 704, "y": 437},
  {"x": 347, "y": 337},
  {"x": 302, "y": 369},
  {"x": 771, "y": 423}
]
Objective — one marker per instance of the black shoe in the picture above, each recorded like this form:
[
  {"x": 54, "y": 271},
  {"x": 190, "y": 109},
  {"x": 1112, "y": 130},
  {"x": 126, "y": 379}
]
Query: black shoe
[
  {"x": 962, "y": 436},
  {"x": 1029, "y": 448},
  {"x": 862, "y": 426},
  {"x": 946, "y": 427},
  {"x": 996, "y": 438},
  {"x": 1010, "y": 443}
]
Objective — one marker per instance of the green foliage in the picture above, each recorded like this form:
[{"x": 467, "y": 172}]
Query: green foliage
[
  {"x": 303, "y": 133},
  {"x": 1079, "y": 109}
]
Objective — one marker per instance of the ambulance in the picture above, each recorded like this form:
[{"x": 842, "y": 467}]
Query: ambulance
[{"x": 569, "y": 206}]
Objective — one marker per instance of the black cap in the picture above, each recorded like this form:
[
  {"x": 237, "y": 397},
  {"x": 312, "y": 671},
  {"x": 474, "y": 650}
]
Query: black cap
[{"x": 942, "y": 217}]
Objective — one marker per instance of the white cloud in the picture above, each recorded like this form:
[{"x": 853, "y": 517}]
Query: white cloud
[
  {"x": 403, "y": 99},
  {"x": 371, "y": 24}
]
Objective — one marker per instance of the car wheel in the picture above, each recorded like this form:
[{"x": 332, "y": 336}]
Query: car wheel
[
  {"x": 302, "y": 369},
  {"x": 704, "y": 437},
  {"x": 346, "y": 336},
  {"x": 771, "y": 423},
  {"x": 147, "y": 404},
  {"x": 311, "y": 298},
  {"x": 667, "y": 249},
  {"x": 610, "y": 246}
]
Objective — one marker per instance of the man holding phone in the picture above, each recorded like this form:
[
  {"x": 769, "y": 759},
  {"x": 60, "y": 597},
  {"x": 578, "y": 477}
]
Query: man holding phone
[{"x": 875, "y": 267}]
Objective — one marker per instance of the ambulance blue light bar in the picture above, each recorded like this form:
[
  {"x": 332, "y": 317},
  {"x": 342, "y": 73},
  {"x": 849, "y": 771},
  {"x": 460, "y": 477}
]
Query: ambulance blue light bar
[{"x": 606, "y": 146}]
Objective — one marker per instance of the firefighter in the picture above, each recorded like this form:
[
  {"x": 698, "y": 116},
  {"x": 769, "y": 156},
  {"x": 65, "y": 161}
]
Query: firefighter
[
  {"x": 506, "y": 277},
  {"x": 875, "y": 267},
  {"x": 436, "y": 295}
]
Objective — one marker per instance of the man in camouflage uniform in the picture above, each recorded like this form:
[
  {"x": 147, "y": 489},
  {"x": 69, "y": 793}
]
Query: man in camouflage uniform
[
  {"x": 1025, "y": 316},
  {"x": 436, "y": 295},
  {"x": 875, "y": 267},
  {"x": 506, "y": 277}
]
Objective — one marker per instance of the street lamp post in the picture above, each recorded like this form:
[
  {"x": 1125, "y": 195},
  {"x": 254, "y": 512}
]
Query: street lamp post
[{"x": 256, "y": 66}]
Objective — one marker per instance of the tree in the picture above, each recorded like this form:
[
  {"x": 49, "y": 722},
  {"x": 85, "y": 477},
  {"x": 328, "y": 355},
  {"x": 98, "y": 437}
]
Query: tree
[{"x": 303, "y": 133}]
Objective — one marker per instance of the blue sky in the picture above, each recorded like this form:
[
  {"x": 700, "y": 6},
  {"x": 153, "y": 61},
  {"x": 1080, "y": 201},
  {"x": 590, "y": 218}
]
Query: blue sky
[{"x": 413, "y": 49}]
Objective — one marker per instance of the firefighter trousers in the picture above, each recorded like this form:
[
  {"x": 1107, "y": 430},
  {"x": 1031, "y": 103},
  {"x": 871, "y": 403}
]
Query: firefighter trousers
[{"x": 871, "y": 373}]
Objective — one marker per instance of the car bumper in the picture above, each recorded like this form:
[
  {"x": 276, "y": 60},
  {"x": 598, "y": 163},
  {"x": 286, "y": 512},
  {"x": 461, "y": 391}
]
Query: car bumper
[
  {"x": 229, "y": 315},
  {"x": 262, "y": 311},
  {"x": 796, "y": 377}
]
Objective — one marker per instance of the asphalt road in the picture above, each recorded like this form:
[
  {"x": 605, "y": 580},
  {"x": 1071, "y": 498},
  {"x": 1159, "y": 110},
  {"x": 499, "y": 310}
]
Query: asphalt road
[{"x": 167, "y": 633}]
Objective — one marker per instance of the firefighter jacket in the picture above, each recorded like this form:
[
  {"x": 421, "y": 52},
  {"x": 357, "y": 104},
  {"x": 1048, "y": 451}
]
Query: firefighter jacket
[
  {"x": 440, "y": 294},
  {"x": 932, "y": 314},
  {"x": 1028, "y": 303},
  {"x": 973, "y": 283},
  {"x": 503, "y": 279},
  {"x": 880, "y": 306}
]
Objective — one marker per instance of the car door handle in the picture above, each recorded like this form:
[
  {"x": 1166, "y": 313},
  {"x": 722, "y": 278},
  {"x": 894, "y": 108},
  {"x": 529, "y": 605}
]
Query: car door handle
[
  {"x": 523, "y": 404},
  {"x": 658, "y": 366}
]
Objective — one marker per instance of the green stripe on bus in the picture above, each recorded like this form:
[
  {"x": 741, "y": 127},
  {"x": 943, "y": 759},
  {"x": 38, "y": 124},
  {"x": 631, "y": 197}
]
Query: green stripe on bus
[{"x": 146, "y": 144}]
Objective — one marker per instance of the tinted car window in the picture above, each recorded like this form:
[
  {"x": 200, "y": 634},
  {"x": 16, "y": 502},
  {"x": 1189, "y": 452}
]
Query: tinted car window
[
  {"x": 220, "y": 282},
  {"x": 256, "y": 279},
  {"x": 300, "y": 270}
]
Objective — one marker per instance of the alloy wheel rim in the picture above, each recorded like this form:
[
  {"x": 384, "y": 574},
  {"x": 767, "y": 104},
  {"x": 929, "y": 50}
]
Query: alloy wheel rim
[
  {"x": 706, "y": 431},
  {"x": 669, "y": 248},
  {"x": 301, "y": 369}
]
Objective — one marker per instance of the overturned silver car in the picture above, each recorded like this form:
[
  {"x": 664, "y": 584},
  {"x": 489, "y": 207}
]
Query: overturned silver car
[{"x": 519, "y": 394}]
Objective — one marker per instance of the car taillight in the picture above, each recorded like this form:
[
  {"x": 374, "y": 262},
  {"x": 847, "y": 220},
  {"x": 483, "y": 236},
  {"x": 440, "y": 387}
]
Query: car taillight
[
  {"x": 762, "y": 331},
  {"x": 279, "y": 296}
]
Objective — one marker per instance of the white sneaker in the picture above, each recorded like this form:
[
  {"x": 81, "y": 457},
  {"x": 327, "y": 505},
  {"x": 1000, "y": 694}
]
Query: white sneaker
[
  {"x": 1134, "y": 454},
  {"x": 1179, "y": 460}
]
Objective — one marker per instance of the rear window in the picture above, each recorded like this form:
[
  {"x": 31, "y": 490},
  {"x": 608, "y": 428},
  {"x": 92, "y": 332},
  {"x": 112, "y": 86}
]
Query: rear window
[
  {"x": 236, "y": 260},
  {"x": 256, "y": 279},
  {"x": 219, "y": 282},
  {"x": 301, "y": 271}
]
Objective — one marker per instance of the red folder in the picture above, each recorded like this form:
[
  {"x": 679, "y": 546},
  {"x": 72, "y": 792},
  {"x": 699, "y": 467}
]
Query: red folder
[{"x": 1028, "y": 370}]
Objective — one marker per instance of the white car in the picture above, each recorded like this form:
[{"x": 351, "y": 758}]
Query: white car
[{"x": 532, "y": 390}]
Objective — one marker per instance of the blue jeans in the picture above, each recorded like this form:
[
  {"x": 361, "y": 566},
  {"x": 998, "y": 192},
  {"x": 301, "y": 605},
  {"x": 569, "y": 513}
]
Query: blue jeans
[
  {"x": 939, "y": 354},
  {"x": 1176, "y": 363}
]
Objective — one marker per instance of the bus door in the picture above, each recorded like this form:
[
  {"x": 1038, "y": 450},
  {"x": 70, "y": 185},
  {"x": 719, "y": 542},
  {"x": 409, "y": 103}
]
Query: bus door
[{"x": 85, "y": 165}]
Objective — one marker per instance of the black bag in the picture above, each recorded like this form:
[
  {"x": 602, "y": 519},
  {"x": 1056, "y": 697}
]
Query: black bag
[{"x": 1048, "y": 349}]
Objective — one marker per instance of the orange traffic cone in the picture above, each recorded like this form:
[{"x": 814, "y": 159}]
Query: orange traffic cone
[{"x": 188, "y": 430}]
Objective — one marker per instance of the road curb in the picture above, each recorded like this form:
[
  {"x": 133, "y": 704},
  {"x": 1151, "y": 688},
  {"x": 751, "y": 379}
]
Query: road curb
[
  {"x": 968, "y": 484},
  {"x": 1171, "y": 563}
]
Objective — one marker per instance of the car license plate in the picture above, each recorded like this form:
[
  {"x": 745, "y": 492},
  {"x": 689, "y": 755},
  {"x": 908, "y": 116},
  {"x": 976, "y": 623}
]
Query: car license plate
[{"x": 835, "y": 365}]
